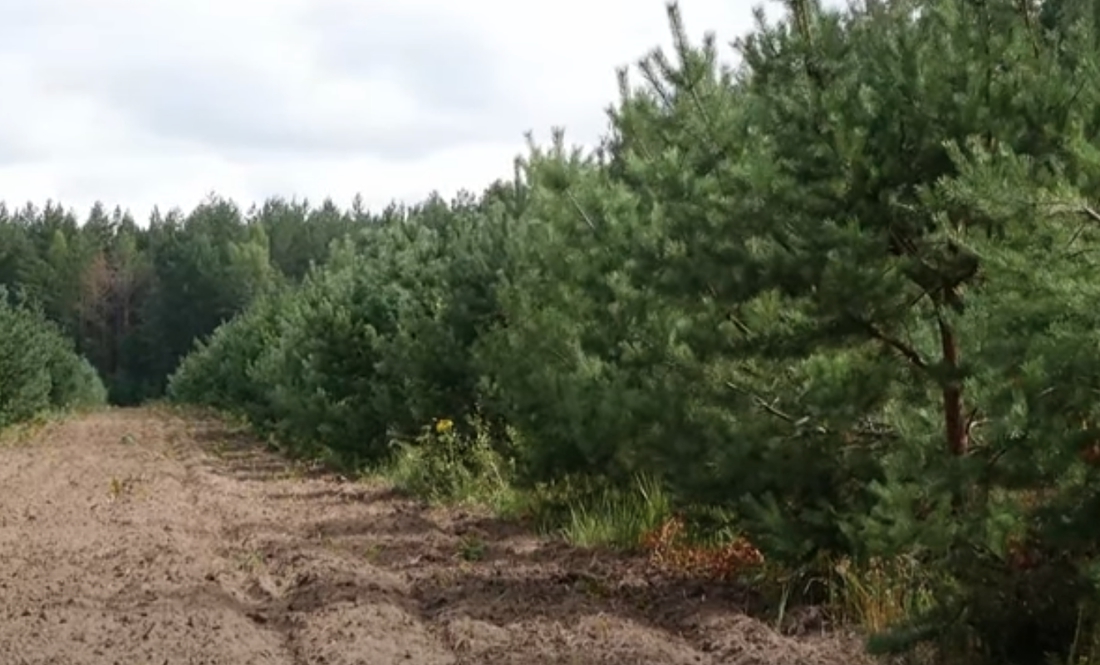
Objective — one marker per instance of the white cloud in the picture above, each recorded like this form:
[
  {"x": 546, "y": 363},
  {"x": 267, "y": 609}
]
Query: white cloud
[{"x": 143, "y": 103}]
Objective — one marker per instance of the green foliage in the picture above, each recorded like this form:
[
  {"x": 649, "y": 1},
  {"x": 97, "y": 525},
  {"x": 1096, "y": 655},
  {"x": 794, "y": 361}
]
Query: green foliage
[
  {"x": 837, "y": 291},
  {"x": 135, "y": 299},
  {"x": 76, "y": 384},
  {"x": 221, "y": 372},
  {"x": 453, "y": 464},
  {"x": 39, "y": 371},
  {"x": 368, "y": 349},
  {"x": 844, "y": 291},
  {"x": 617, "y": 517}
]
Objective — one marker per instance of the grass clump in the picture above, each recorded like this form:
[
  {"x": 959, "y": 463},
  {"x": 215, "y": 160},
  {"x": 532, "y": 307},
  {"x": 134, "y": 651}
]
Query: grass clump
[
  {"x": 449, "y": 464},
  {"x": 618, "y": 518},
  {"x": 880, "y": 593},
  {"x": 452, "y": 464}
]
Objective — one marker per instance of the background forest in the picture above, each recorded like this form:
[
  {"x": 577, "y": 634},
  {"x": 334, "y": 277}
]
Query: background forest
[{"x": 838, "y": 301}]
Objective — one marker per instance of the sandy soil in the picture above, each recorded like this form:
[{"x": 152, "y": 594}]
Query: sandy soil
[{"x": 143, "y": 536}]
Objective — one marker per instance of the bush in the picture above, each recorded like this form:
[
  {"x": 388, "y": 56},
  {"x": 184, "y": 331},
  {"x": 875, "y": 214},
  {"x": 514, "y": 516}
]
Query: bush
[
  {"x": 220, "y": 371},
  {"x": 365, "y": 350},
  {"x": 450, "y": 464},
  {"x": 39, "y": 370}
]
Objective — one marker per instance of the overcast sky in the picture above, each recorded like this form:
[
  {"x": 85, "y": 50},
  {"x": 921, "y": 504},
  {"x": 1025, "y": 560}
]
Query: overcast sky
[{"x": 143, "y": 102}]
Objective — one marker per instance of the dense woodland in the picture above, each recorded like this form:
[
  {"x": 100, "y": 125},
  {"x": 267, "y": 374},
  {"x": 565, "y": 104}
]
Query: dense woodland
[
  {"x": 134, "y": 298},
  {"x": 839, "y": 299}
]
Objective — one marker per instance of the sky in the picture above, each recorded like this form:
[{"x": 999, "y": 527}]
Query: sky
[{"x": 140, "y": 103}]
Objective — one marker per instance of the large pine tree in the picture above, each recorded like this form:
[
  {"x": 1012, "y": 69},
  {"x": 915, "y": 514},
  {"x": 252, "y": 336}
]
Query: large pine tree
[{"x": 847, "y": 287}]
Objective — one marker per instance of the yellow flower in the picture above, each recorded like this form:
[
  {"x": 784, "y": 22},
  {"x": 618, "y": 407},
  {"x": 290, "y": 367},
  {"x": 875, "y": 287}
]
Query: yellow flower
[{"x": 443, "y": 426}]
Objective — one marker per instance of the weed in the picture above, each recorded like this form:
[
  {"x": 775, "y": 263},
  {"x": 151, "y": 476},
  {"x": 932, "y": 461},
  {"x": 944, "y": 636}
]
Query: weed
[
  {"x": 119, "y": 487},
  {"x": 27, "y": 431},
  {"x": 372, "y": 552},
  {"x": 472, "y": 548},
  {"x": 616, "y": 518},
  {"x": 250, "y": 562},
  {"x": 880, "y": 593},
  {"x": 448, "y": 466}
]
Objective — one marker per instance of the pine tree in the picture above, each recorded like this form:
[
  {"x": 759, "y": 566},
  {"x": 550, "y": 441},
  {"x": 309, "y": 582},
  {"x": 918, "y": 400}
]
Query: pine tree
[{"x": 844, "y": 288}]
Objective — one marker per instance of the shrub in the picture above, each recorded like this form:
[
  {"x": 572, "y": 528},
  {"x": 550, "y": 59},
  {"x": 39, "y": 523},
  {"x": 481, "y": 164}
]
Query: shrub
[
  {"x": 39, "y": 370},
  {"x": 368, "y": 348},
  {"x": 446, "y": 463},
  {"x": 220, "y": 371}
]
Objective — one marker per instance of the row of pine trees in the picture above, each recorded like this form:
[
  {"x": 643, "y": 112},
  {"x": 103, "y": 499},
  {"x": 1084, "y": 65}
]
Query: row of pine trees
[
  {"x": 135, "y": 298},
  {"x": 844, "y": 290}
]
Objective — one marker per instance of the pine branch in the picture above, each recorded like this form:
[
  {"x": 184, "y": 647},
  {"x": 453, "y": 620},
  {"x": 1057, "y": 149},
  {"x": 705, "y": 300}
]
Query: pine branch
[
  {"x": 867, "y": 428},
  {"x": 577, "y": 205},
  {"x": 1075, "y": 236},
  {"x": 904, "y": 349},
  {"x": 771, "y": 409},
  {"x": 1080, "y": 209},
  {"x": 1095, "y": 216},
  {"x": 1025, "y": 11},
  {"x": 777, "y": 413}
]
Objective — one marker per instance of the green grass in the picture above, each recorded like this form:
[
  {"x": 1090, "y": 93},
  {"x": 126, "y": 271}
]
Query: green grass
[
  {"x": 446, "y": 467},
  {"x": 25, "y": 431},
  {"x": 442, "y": 466},
  {"x": 617, "y": 518},
  {"x": 879, "y": 594},
  {"x": 453, "y": 466},
  {"x": 472, "y": 548}
]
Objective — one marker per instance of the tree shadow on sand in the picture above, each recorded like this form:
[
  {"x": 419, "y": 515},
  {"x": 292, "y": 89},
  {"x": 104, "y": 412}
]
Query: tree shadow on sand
[{"x": 464, "y": 566}]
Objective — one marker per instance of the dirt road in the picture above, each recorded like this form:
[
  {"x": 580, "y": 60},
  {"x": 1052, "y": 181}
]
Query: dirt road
[{"x": 141, "y": 536}]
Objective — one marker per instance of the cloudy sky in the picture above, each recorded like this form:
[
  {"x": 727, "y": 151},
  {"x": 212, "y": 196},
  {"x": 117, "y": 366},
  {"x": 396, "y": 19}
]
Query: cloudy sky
[{"x": 143, "y": 102}]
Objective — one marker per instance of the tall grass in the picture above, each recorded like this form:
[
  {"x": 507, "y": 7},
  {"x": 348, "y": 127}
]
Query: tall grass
[
  {"x": 618, "y": 518},
  {"x": 881, "y": 593},
  {"x": 446, "y": 465}
]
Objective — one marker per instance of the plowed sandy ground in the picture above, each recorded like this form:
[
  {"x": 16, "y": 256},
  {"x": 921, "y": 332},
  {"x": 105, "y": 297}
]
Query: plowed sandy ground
[{"x": 143, "y": 536}]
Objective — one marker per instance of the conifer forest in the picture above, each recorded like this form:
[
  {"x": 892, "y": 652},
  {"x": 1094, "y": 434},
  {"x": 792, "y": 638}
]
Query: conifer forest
[{"x": 819, "y": 318}]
